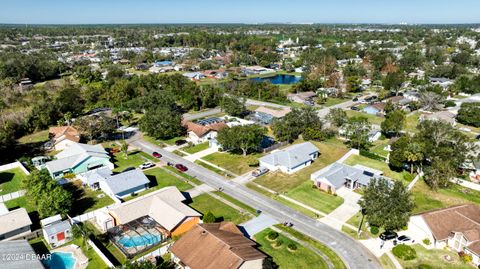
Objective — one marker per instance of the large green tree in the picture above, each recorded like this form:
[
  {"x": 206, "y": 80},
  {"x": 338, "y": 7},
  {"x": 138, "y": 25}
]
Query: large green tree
[
  {"x": 357, "y": 130},
  {"x": 386, "y": 204},
  {"x": 233, "y": 106},
  {"x": 162, "y": 123},
  {"x": 469, "y": 114},
  {"x": 242, "y": 138},
  {"x": 337, "y": 117},
  {"x": 393, "y": 123},
  {"x": 295, "y": 123}
]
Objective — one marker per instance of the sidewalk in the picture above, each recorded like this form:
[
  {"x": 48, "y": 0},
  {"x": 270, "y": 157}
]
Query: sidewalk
[{"x": 200, "y": 154}]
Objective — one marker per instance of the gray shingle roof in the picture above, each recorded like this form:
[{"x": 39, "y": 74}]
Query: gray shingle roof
[
  {"x": 126, "y": 181},
  {"x": 56, "y": 227},
  {"x": 22, "y": 248},
  {"x": 75, "y": 154},
  {"x": 292, "y": 156},
  {"x": 338, "y": 172}
]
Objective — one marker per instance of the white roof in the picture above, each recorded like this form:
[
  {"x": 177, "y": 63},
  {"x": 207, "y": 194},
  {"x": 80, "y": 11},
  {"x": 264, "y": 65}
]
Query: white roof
[
  {"x": 50, "y": 220},
  {"x": 14, "y": 220},
  {"x": 74, "y": 154},
  {"x": 164, "y": 205},
  {"x": 292, "y": 156}
]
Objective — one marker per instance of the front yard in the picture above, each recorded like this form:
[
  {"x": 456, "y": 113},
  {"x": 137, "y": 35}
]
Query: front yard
[
  {"x": 285, "y": 258},
  {"x": 371, "y": 118},
  {"x": 235, "y": 163},
  {"x": 223, "y": 212},
  {"x": 133, "y": 159},
  {"x": 196, "y": 148},
  {"x": 435, "y": 258},
  {"x": 11, "y": 180}
]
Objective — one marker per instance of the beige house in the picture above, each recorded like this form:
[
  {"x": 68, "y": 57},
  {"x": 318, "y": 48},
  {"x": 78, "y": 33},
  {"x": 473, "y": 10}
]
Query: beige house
[
  {"x": 63, "y": 136},
  {"x": 13, "y": 224},
  {"x": 216, "y": 246}
]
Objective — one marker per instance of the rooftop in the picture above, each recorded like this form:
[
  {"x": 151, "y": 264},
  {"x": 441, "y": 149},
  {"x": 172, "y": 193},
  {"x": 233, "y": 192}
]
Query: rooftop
[
  {"x": 291, "y": 156},
  {"x": 13, "y": 220}
]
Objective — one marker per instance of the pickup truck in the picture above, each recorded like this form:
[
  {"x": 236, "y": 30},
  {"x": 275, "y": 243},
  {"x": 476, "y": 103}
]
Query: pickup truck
[{"x": 259, "y": 171}]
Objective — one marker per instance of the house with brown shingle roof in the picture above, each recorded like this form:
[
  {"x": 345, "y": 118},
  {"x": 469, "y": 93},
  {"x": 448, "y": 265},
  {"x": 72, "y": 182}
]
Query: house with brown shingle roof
[
  {"x": 456, "y": 227},
  {"x": 216, "y": 246},
  {"x": 63, "y": 136},
  {"x": 202, "y": 131}
]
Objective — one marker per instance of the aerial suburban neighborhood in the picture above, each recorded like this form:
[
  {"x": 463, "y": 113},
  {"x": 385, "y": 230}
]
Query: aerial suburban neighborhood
[{"x": 193, "y": 141}]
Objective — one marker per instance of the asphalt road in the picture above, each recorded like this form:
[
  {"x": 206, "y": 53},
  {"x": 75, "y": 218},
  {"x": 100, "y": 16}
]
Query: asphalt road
[{"x": 354, "y": 254}]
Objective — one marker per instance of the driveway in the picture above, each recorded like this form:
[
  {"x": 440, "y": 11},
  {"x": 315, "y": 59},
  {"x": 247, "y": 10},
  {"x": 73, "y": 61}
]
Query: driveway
[
  {"x": 258, "y": 224},
  {"x": 337, "y": 218}
]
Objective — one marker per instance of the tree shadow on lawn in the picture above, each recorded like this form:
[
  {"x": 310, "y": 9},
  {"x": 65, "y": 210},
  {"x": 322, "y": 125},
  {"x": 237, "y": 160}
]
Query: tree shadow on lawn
[
  {"x": 6, "y": 177},
  {"x": 153, "y": 181},
  {"x": 81, "y": 202}
]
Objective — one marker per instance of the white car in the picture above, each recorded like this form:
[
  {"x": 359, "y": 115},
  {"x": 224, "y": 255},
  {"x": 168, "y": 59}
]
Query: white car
[{"x": 146, "y": 165}]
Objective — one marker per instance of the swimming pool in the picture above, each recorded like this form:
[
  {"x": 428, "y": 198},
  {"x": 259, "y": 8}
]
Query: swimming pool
[
  {"x": 139, "y": 240},
  {"x": 61, "y": 260}
]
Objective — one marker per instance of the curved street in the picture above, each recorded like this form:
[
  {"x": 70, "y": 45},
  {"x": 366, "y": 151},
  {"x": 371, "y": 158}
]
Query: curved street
[{"x": 354, "y": 254}]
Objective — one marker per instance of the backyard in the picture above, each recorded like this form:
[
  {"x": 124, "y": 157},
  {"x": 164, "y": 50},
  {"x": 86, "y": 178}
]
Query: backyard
[
  {"x": 11, "y": 180},
  {"x": 284, "y": 258},
  {"x": 205, "y": 203},
  {"x": 435, "y": 258},
  {"x": 378, "y": 165},
  {"x": 86, "y": 199}
]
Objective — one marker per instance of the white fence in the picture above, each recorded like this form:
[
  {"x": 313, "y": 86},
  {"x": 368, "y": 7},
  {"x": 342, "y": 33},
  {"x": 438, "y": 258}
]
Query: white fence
[
  {"x": 100, "y": 254},
  {"x": 13, "y": 165},
  {"x": 87, "y": 216},
  {"x": 158, "y": 252},
  {"x": 12, "y": 195}
]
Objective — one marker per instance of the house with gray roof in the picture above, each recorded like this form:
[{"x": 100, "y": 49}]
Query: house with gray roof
[
  {"x": 78, "y": 158},
  {"x": 291, "y": 159},
  {"x": 56, "y": 231},
  {"x": 124, "y": 184},
  {"x": 339, "y": 175},
  {"x": 19, "y": 248},
  {"x": 14, "y": 224}
]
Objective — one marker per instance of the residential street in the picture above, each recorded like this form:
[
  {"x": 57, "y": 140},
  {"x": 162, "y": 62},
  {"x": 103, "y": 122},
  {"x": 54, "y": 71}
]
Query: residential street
[{"x": 354, "y": 254}]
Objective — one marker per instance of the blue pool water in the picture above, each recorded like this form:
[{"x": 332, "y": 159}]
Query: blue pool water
[
  {"x": 279, "y": 79},
  {"x": 138, "y": 241},
  {"x": 61, "y": 260}
]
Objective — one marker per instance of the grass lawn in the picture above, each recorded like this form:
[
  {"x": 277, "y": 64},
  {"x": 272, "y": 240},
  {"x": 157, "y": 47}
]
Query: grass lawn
[
  {"x": 160, "y": 178},
  {"x": 196, "y": 148},
  {"x": 355, "y": 222},
  {"x": 214, "y": 169},
  {"x": 434, "y": 258},
  {"x": 315, "y": 198},
  {"x": 133, "y": 159},
  {"x": 86, "y": 199},
  {"x": 20, "y": 202},
  {"x": 41, "y": 136},
  {"x": 189, "y": 178},
  {"x": 331, "y": 101},
  {"x": 11, "y": 180},
  {"x": 427, "y": 199},
  {"x": 379, "y": 165},
  {"x": 334, "y": 258},
  {"x": 379, "y": 147},
  {"x": 411, "y": 122},
  {"x": 179, "y": 153},
  {"x": 162, "y": 143},
  {"x": 285, "y": 259},
  {"x": 204, "y": 203},
  {"x": 386, "y": 262},
  {"x": 236, "y": 202},
  {"x": 234, "y": 163},
  {"x": 371, "y": 118}
]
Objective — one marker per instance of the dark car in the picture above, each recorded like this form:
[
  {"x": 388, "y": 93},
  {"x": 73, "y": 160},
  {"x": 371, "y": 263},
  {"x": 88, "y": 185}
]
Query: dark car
[
  {"x": 181, "y": 167},
  {"x": 355, "y": 108},
  {"x": 180, "y": 142},
  {"x": 405, "y": 239},
  {"x": 156, "y": 154},
  {"x": 388, "y": 235},
  {"x": 355, "y": 99}
]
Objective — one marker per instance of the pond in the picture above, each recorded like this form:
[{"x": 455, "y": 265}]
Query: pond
[{"x": 279, "y": 79}]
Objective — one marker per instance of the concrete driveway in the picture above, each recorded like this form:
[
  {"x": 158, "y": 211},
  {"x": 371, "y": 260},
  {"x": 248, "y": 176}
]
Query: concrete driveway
[
  {"x": 337, "y": 218},
  {"x": 258, "y": 224}
]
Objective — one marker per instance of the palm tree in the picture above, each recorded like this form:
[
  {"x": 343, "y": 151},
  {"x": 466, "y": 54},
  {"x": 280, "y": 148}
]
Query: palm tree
[
  {"x": 413, "y": 154},
  {"x": 82, "y": 231},
  {"x": 124, "y": 148}
]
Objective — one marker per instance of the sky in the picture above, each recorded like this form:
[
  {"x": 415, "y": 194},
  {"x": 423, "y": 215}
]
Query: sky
[{"x": 238, "y": 11}]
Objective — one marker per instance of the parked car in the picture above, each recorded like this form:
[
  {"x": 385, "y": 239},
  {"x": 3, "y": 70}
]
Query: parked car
[
  {"x": 181, "y": 167},
  {"x": 355, "y": 99},
  {"x": 403, "y": 239},
  {"x": 180, "y": 142},
  {"x": 355, "y": 108},
  {"x": 146, "y": 165},
  {"x": 388, "y": 235},
  {"x": 156, "y": 154},
  {"x": 259, "y": 171}
]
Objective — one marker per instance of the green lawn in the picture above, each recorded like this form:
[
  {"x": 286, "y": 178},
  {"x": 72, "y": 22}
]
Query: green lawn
[
  {"x": 179, "y": 153},
  {"x": 315, "y": 198},
  {"x": 162, "y": 143},
  {"x": 38, "y": 137},
  {"x": 205, "y": 203},
  {"x": 371, "y": 118},
  {"x": 331, "y": 101},
  {"x": 189, "y": 178},
  {"x": 411, "y": 122},
  {"x": 334, "y": 258},
  {"x": 379, "y": 165},
  {"x": 196, "y": 148},
  {"x": 427, "y": 199},
  {"x": 214, "y": 169},
  {"x": 133, "y": 159},
  {"x": 11, "y": 180},
  {"x": 20, "y": 202},
  {"x": 86, "y": 199},
  {"x": 434, "y": 258},
  {"x": 379, "y": 147},
  {"x": 386, "y": 262},
  {"x": 236, "y": 202},
  {"x": 285, "y": 259},
  {"x": 234, "y": 163}
]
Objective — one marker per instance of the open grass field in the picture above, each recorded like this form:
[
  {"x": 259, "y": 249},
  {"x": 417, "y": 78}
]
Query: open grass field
[
  {"x": 286, "y": 259},
  {"x": 133, "y": 159},
  {"x": 205, "y": 203},
  {"x": 196, "y": 148},
  {"x": 371, "y": 118},
  {"x": 434, "y": 258},
  {"x": 11, "y": 180},
  {"x": 41, "y": 136},
  {"x": 235, "y": 163}
]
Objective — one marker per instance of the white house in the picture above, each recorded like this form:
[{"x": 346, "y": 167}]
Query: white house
[
  {"x": 56, "y": 231},
  {"x": 13, "y": 224},
  {"x": 291, "y": 159},
  {"x": 204, "y": 130}
]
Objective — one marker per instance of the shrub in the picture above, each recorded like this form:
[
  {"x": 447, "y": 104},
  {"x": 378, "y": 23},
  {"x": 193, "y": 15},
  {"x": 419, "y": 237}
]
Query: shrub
[
  {"x": 466, "y": 258},
  {"x": 450, "y": 104},
  {"x": 209, "y": 217},
  {"x": 292, "y": 246},
  {"x": 404, "y": 252},
  {"x": 371, "y": 155},
  {"x": 279, "y": 242},
  {"x": 253, "y": 162},
  {"x": 272, "y": 235},
  {"x": 374, "y": 229},
  {"x": 426, "y": 241}
]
